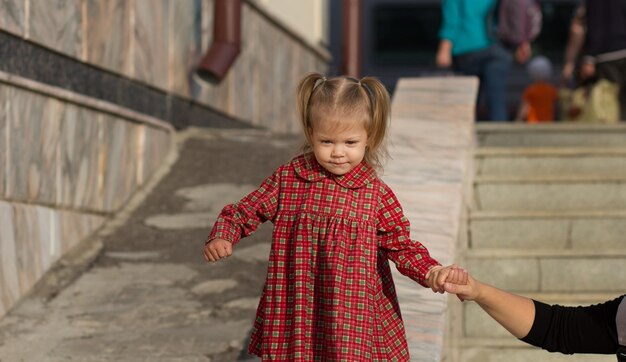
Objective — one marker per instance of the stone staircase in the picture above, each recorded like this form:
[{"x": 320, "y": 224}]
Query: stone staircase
[{"x": 548, "y": 221}]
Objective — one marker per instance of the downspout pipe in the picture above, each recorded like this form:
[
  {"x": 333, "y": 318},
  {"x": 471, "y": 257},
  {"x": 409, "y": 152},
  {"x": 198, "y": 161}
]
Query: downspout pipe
[
  {"x": 352, "y": 38},
  {"x": 226, "y": 44}
]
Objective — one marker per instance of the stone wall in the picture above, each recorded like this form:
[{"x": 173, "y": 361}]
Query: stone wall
[
  {"x": 160, "y": 42},
  {"x": 68, "y": 163}
]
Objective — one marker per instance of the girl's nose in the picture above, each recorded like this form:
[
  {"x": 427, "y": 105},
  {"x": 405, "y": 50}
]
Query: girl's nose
[{"x": 336, "y": 152}]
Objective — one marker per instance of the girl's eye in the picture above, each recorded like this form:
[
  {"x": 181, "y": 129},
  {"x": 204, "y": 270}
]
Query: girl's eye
[
  {"x": 352, "y": 142},
  {"x": 326, "y": 142}
]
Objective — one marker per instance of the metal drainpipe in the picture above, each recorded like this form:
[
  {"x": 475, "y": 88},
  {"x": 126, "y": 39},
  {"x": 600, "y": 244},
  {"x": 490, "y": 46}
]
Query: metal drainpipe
[
  {"x": 351, "y": 38},
  {"x": 226, "y": 41}
]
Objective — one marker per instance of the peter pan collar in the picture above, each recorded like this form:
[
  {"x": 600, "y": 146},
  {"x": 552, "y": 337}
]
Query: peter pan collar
[{"x": 307, "y": 167}]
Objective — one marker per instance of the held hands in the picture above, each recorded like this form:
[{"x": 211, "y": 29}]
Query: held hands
[
  {"x": 217, "y": 249},
  {"x": 469, "y": 291},
  {"x": 439, "y": 275}
]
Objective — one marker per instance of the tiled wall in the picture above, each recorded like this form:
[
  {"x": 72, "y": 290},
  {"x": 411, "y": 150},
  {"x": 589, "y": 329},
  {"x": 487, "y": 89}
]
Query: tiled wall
[
  {"x": 159, "y": 42},
  {"x": 64, "y": 167}
]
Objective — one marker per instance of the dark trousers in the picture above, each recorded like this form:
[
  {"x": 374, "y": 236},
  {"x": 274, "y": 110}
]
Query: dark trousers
[
  {"x": 492, "y": 66},
  {"x": 615, "y": 71}
]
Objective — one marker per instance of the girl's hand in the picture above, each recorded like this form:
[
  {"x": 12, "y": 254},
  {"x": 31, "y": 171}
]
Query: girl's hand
[
  {"x": 437, "y": 276},
  {"x": 217, "y": 249}
]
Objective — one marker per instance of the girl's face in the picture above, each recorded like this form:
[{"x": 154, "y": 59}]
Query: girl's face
[{"x": 339, "y": 149}]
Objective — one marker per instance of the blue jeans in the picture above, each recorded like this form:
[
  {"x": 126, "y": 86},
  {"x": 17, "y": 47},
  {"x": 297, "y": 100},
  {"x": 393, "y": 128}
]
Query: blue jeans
[{"x": 491, "y": 65}]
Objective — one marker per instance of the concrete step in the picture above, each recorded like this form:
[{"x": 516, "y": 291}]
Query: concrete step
[
  {"x": 573, "y": 231},
  {"x": 496, "y": 161},
  {"x": 554, "y": 193},
  {"x": 551, "y": 135},
  {"x": 549, "y": 271},
  {"x": 512, "y": 354}
]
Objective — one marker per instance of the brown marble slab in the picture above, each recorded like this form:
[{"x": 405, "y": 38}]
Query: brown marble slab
[
  {"x": 80, "y": 174},
  {"x": 12, "y": 16},
  {"x": 57, "y": 24},
  {"x": 34, "y": 123},
  {"x": 185, "y": 32},
  {"x": 151, "y": 42},
  {"x": 9, "y": 281},
  {"x": 108, "y": 34},
  {"x": 4, "y": 145}
]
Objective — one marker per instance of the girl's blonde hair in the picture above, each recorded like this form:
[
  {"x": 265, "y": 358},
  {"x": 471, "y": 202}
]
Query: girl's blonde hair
[{"x": 347, "y": 99}]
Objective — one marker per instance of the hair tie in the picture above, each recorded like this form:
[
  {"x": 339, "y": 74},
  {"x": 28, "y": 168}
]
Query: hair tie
[{"x": 318, "y": 82}]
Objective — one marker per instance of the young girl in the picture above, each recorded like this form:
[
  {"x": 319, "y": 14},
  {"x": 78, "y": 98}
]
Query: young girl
[{"x": 329, "y": 294}]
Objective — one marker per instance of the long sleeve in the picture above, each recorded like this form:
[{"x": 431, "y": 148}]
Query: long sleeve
[
  {"x": 411, "y": 257},
  {"x": 241, "y": 219},
  {"x": 589, "y": 329},
  {"x": 451, "y": 19}
]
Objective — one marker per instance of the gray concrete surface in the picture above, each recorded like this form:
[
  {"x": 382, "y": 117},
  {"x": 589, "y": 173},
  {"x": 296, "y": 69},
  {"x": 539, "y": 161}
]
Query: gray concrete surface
[{"x": 149, "y": 296}]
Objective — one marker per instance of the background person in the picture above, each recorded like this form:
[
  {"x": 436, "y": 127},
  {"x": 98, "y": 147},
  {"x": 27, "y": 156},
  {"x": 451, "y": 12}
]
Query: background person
[
  {"x": 466, "y": 44},
  {"x": 540, "y": 97}
]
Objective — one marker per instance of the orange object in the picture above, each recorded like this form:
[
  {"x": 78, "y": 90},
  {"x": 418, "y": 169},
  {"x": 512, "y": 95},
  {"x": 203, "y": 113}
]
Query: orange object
[{"x": 541, "y": 98}]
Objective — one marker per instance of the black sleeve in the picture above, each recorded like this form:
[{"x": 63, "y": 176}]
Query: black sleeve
[{"x": 569, "y": 330}]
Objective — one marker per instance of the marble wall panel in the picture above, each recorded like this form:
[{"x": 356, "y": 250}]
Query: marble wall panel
[
  {"x": 151, "y": 42},
  {"x": 47, "y": 231},
  {"x": 34, "y": 123},
  {"x": 9, "y": 282},
  {"x": 57, "y": 24},
  {"x": 244, "y": 87},
  {"x": 119, "y": 154},
  {"x": 185, "y": 43},
  {"x": 108, "y": 34},
  {"x": 12, "y": 16},
  {"x": 80, "y": 182},
  {"x": 27, "y": 247},
  {"x": 267, "y": 95},
  {"x": 156, "y": 148},
  {"x": 4, "y": 104},
  {"x": 32, "y": 239},
  {"x": 75, "y": 227}
]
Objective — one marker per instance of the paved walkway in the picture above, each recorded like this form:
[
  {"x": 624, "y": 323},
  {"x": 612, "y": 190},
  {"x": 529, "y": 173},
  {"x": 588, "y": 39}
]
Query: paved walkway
[{"x": 150, "y": 297}]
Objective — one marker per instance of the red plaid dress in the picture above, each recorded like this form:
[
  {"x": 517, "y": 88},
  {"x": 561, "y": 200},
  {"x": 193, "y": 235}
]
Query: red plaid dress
[{"x": 329, "y": 294}]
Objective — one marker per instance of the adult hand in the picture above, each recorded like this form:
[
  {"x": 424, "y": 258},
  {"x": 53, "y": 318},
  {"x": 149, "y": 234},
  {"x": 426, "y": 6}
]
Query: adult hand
[
  {"x": 469, "y": 291},
  {"x": 567, "y": 73},
  {"x": 217, "y": 249},
  {"x": 444, "y": 54},
  {"x": 523, "y": 52},
  {"x": 587, "y": 70}
]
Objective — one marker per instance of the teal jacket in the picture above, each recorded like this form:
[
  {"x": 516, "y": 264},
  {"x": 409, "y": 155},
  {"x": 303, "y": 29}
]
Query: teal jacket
[{"x": 465, "y": 24}]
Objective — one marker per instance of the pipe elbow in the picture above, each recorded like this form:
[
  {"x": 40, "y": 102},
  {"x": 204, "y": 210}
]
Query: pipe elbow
[{"x": 226, "y": 44}]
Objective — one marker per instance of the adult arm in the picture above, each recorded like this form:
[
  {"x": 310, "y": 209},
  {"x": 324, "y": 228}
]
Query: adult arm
[
  {"x": 451, "y": 22},
  {"x": 574, "y": 45},
  {"x": 514, "y": 312},
  {"x": 588, "y": 329},
  {"x": 595, "y": 33}
]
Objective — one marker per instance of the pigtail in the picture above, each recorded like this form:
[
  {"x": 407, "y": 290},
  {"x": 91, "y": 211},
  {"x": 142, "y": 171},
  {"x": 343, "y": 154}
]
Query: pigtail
[
  {"x": 303, "y": 96},
  {"x": 380, "y": 110}
]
